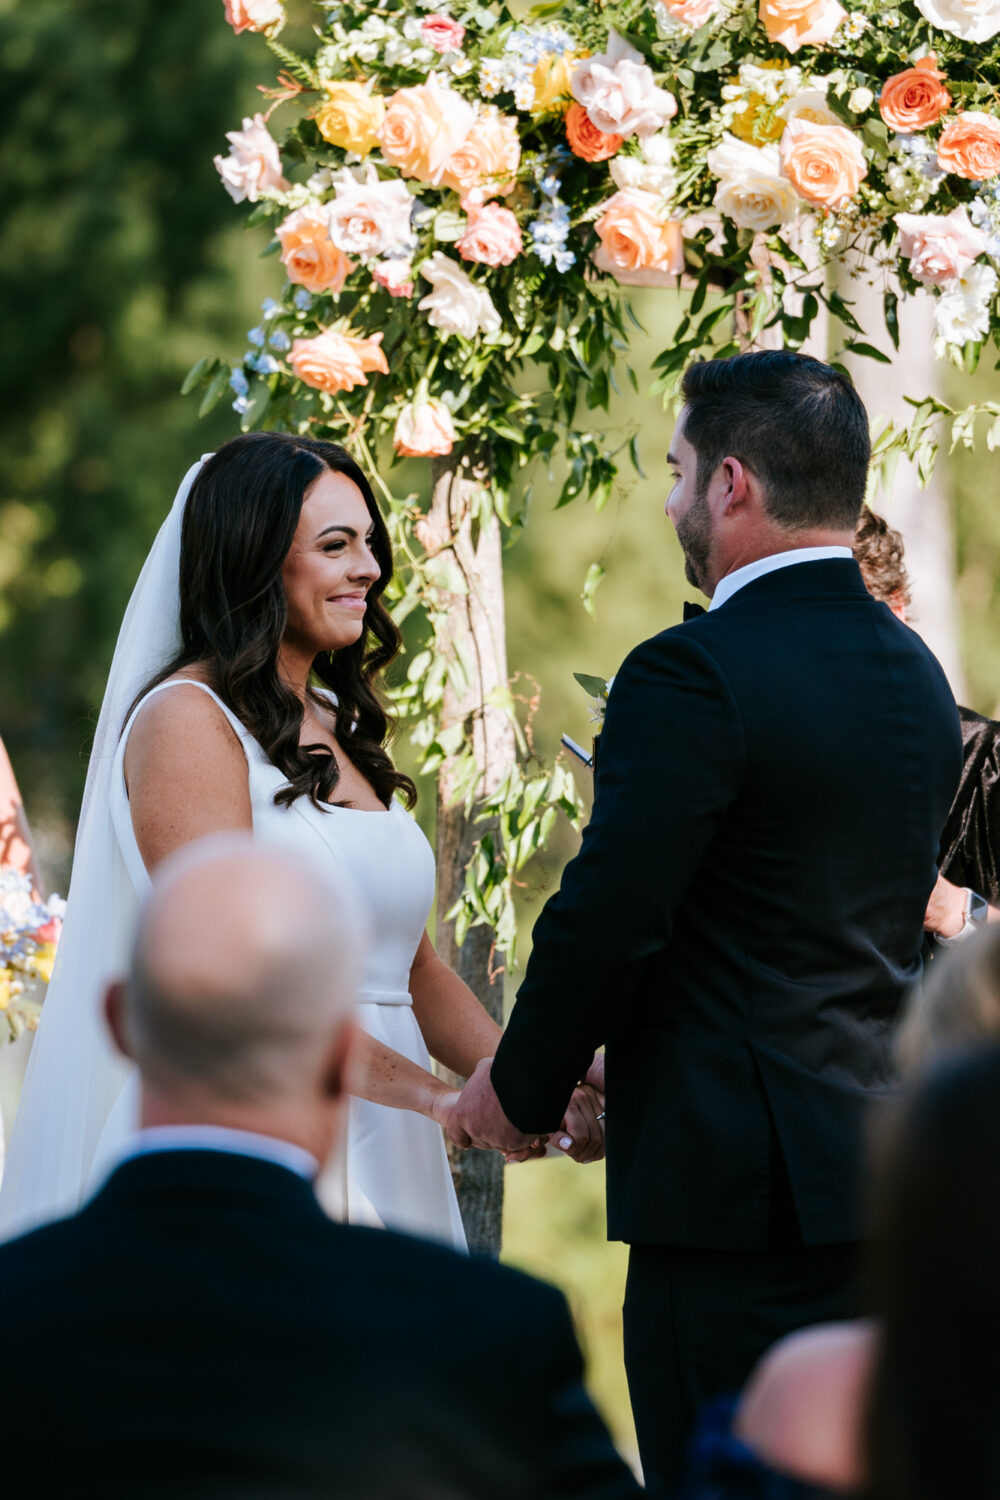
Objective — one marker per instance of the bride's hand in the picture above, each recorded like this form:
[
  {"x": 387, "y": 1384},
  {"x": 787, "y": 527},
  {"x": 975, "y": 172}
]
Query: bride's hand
[{"x": 442, "y": 1109}]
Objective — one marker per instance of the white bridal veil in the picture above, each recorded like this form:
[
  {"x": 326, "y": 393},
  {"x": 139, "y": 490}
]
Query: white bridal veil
[{"x": 74, "y": 1075}]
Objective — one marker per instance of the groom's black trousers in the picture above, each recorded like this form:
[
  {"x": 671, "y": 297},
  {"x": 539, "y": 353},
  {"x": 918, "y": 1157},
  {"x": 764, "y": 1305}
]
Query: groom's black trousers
[{"x": 697, "y": 1321}]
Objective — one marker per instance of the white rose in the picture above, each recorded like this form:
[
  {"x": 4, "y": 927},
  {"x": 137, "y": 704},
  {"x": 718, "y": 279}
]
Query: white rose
[
  {"x": 752, "y": 191},
  {"x": 959, "y": 320},
  {"x": 972, "y": 20},
  {"x": 619, "y": 93},
  {"x": 652, "y": 171},
  {"x": 369, "y": 217},
  {"x": 253, "y": 165},
  {"x": 811, "y": 105},
  {"x": 860, "y": 100},
  {"x": 457, "y": 304}
]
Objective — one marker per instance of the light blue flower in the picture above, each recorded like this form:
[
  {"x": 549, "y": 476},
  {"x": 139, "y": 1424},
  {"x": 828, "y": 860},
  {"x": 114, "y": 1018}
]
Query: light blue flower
[
  {"x": 238, "y": 381},
  {"x": 269, "y": 308},
  {"x": 302, "y": 299},
  {"x": 279, "y": 340},
  {"x": 257, "y": 337}
]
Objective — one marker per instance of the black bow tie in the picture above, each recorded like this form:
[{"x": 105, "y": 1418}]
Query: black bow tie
[{"x": 692, "y": 611}]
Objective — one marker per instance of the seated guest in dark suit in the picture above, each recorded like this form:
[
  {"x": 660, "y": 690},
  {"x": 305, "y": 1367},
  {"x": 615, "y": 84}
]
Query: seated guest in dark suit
[
  {"x": 967, "y": 893},
  {"x": 831, "y": 1405},
  {"x": 201, "y": 1328}
]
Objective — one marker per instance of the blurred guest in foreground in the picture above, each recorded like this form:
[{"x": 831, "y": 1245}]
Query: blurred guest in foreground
[
  {"x": 201, "y": 1328},
  {"x": 904, "y": 1408},
  {"x": 967, "y": 893}
]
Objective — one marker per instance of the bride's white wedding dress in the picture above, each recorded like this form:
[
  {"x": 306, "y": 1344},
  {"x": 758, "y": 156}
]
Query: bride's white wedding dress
[
  {"x": 393, "y": 1169},
  {"x": 80, "y": 1099}
]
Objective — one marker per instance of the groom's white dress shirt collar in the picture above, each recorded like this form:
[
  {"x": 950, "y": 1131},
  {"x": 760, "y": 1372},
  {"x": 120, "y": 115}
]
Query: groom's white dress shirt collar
[
  {"x": 219, "y": 1138},
  {"x": 728, "y": 586}
]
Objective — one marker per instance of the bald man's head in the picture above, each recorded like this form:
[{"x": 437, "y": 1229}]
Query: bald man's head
[{"x": 246, "y": 964}]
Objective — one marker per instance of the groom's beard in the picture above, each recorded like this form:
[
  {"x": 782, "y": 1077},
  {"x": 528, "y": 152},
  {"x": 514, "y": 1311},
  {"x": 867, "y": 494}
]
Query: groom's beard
[{"x": 694, "y": 532}]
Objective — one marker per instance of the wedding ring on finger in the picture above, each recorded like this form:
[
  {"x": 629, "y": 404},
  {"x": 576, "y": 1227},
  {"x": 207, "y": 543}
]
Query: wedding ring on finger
[{"x": 600, "y": 1116}]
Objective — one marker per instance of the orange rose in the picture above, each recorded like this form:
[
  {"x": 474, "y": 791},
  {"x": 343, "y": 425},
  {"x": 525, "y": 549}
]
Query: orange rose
[
  {"x": 824, "y": 163},
  {"x": 585, "y": 140},
  {"x": 485, "y": 164},
  {"x": 970, "y": 146},
  {"x": 309, "y": 255},
  {"x": 635, "y": 237},
  {"x": 337, "y": 361},
  {"x": 916, "y": 98}
]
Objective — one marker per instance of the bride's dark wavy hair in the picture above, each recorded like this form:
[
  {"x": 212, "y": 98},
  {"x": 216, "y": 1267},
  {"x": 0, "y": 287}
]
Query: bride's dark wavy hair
[{"x": 237, "y": 530}]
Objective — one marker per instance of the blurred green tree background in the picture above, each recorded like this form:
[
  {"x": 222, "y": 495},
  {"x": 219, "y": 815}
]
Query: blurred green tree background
[{"x": 122, "y": 263}]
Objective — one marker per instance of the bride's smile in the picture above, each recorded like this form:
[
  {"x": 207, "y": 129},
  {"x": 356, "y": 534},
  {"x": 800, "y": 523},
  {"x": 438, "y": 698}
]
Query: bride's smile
[{"x": 330, "y": 567}]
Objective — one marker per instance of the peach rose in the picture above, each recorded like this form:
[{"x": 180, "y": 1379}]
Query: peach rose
[
  {"x": 690, "y": 13},
  {"x": 485, "y": 164},
  {"x": 824, "y": 163},
  {"x": 970, "y": 146},
  {"x": 309, "y": 255},
  {"x": 255, "y": 15},
  {"x": 442, "y": 33},
  {"x": 493, "y": 236},
  {"x": 337, "y": 361},
  {"x": 585, "y": 140},
  {"x": 636, "y": 237},
  {"x": 351, "y": 117},
  {"x": 915, "y": 98},
  {"x": 800, "y": 23},
  {"x": 395, "y": 274},
  {"x": 423, "y": 127},
  {"x": 939, "y": 247},
  {"x": 253, "y": 165},
  {"x": 424, "y": 429}
]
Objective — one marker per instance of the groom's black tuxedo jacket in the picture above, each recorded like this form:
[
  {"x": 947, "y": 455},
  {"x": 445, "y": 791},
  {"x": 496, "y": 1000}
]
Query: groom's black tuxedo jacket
[
  {"x": 201, "y": 1329},
  {"x": 745, "y": 913}
]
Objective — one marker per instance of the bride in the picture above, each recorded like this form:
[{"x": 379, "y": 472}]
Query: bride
[{"x": 244, "y": 695}]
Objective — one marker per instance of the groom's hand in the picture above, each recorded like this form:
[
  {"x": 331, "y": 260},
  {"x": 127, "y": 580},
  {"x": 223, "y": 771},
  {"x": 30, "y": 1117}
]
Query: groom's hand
[{"x": 479, "y": 1117}]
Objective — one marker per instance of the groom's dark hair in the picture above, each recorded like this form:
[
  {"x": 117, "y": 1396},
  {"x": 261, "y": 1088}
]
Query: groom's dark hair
[{"x": 794, "y": 422}]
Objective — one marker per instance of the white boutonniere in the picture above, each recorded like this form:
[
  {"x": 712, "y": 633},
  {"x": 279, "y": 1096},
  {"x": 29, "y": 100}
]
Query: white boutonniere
[{"x": 597, "y": 690}]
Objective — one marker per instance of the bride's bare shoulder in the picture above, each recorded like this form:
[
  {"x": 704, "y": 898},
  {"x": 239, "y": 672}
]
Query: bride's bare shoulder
[{"x": 181, "y": 720}]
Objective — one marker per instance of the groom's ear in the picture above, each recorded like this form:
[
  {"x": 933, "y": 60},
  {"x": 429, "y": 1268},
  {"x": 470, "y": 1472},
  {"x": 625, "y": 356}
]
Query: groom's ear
[{"x": 739, "y": 486}]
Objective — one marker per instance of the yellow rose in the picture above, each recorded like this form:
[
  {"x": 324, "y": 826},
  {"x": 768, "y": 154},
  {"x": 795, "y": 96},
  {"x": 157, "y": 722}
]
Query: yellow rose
[
  {"x": 552, "y": 79},
  {"x": 351, "y": 117}
]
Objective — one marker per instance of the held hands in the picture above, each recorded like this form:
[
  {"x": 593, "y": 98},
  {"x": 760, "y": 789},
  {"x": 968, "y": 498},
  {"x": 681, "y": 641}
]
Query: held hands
[{"x": 476, "y": 1118}]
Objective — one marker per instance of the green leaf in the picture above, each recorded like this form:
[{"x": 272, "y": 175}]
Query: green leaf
[
  {"x": 633, "y": 448},
  {"x": 216, "y": 387},
  {"x": 868, "y": 350},
  {"x": 594, "y": 687},
  {"x": 890, "y": 303},
  {"x": 590, "y": 586},
  {"x": 257, "y": 403},
  {"x": 197, "y": 373}
]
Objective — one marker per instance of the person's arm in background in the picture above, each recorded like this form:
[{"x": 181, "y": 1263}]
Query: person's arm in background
[{"x": 16, "y": 849}]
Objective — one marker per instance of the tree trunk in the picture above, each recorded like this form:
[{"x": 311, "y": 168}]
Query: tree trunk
[{"x": 478, "y": 637}]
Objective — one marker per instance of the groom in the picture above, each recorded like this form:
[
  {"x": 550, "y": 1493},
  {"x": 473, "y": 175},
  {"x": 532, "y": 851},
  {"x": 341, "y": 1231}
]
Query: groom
[{"x": 745, "y": 914}]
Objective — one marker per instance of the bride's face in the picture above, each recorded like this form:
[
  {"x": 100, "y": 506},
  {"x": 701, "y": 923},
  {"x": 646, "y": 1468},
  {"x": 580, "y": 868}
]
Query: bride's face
[{"x": 330, "y": 567}]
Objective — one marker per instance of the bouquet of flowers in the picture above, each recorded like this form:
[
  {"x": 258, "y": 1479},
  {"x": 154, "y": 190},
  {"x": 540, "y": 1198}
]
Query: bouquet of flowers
[{"x": 29, "y": 932}]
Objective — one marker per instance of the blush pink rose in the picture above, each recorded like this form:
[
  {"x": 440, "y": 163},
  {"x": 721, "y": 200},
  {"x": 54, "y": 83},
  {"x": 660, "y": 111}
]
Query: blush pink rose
[
  {"x": 619, "y": 92},
  {"x": 493, "y": 236},
  {"x": 253, "y": 165},
  {"x": 939, "y": 247},
  {"x": 309, "y": 255},
  {"x": 442, "y": 33},
  {"x": 824, "y": 163},
  {"x": 635, "y": 236},
  {"x": 255, "y": 15},
  {"x": 424, "y": 429},
  {"x": 485, "y": 164},
  {"x": 690, "y": 13},
  {"x": 49, "y": 931},
  {"x": 423, "y": 127},
  {"x": 800, "y": 23},
  {"x": 337, "y": 361},
  {"x": 396, "y": 275}
]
